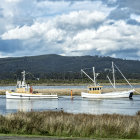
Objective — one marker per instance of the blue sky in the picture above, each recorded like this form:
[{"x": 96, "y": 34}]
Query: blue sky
[{"x": 70, "y": 28}]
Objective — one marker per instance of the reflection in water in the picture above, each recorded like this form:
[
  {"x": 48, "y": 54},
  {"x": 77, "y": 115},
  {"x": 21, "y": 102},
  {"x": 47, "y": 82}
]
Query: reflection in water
[
  {"x": 92, "y": 106},
  {"x": 20, "y": 105},
  {"x": 30, "y": 105}
]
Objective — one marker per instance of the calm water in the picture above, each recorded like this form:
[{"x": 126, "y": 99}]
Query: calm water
[{"x": 77, "y": 105}]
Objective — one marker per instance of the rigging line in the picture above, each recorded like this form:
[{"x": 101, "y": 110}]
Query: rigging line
[
  {"x": 32, "y": 75},
  {"x": 87, "y": 75},
  {"x": 110, "y": 82},
  {"x": 137, "y": 92},
  {"x": 123, "y": 76}
]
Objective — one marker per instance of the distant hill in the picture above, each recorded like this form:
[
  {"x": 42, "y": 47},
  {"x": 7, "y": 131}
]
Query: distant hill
[{"x": 61, "y": 64}]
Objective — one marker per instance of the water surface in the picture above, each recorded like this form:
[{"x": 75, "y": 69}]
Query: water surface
[{"x": 77, "y": 105}]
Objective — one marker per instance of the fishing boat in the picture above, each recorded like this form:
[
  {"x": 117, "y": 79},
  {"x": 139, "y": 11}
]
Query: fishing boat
[
  {"x": 25, "y": 91},
  {"x": 95, "y": 91}
]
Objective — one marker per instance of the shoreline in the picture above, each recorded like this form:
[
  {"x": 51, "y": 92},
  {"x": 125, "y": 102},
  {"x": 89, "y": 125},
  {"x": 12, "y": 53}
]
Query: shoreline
[
  {"x": 75, "y": 92},
  {"x": 70, "y": 84}
]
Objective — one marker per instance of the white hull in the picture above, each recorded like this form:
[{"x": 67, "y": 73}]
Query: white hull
[
  {"x": 117, "y": 94},
  {"x": 15, "y": 95}
]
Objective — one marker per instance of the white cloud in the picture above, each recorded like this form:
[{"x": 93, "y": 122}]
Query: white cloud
[
  {"x": 55, "y": 35},
  {"x": 13, "y": 0},
  {"x": 135, "y": 17},
  {"x": 107, "y": 39},
  {"x": 85, "y": 18},
  {"x": 4, "y": 55},
  {"x": 113, "y": 55},
  {"x": 18, "y": 33},
  {"x": 85, "y": 35},
  {"x": 53, "y": 28},
  {"x": 60, "y": 7}
]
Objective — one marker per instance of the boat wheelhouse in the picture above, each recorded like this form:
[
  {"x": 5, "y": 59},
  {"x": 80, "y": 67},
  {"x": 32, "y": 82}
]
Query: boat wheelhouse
[{"x": 94, "y": 89}]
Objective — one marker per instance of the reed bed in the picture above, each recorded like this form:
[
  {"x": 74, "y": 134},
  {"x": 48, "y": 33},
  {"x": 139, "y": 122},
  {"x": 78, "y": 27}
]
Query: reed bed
[
  {"x": 2, "y": 92},
  {"x": 71, "y": 125}
]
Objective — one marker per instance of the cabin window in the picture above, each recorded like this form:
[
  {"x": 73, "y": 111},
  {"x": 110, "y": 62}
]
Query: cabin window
[{"x": 89, "y": 88}]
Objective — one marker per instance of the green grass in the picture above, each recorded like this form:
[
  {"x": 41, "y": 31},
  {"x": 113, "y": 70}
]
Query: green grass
[
  {"x": 63, "y": 124},
  {"x": 60, "y": 137},
  {"x": 38, "y": 136},
  {"x": 55, "y": 137}
]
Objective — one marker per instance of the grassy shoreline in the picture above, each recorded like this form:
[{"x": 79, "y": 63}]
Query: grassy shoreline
[
  {"x": 39, "y": 137},
  {"x": 64, "y": 124}
]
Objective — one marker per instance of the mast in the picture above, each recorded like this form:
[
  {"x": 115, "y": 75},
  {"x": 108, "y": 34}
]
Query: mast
[
  {"x": 94, "y": 76},
  {"x": 23, "y": 76},
  {"x": 113, "y": 71}
]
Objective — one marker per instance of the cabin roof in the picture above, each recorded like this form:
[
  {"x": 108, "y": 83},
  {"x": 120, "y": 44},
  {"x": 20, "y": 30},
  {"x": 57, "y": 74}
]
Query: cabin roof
[{"x": 95, "y": 86}]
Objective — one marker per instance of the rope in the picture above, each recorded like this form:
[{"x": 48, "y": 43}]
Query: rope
[{"x": 124, "y": 76}]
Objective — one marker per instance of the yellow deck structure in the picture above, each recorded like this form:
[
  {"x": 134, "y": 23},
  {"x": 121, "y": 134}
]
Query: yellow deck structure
[
  {"x": 21, "y": 90},
  {"x": 26, "y": 91},
  {"x": 95, "y": 89}
]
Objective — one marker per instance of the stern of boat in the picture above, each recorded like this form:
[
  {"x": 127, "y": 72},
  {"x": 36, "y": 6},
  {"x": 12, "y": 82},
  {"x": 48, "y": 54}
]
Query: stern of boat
[{"x": 131, "y": 93}]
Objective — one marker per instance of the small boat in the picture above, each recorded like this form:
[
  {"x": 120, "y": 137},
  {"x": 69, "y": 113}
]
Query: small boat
[
  {"x": 25, "y": 91},
  {"x": 95, "y": 91}
]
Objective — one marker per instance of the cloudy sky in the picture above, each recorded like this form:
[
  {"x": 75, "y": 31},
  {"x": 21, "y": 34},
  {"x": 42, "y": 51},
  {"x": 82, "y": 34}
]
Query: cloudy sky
[{"x": 70, "y": 28}]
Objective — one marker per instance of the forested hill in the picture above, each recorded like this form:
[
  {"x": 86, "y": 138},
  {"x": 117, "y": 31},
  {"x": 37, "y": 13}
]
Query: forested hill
[{"x": 52, "y": 63}]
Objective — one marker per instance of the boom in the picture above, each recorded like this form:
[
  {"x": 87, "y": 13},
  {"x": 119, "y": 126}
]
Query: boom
[{"x": 87, "y": 75}]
